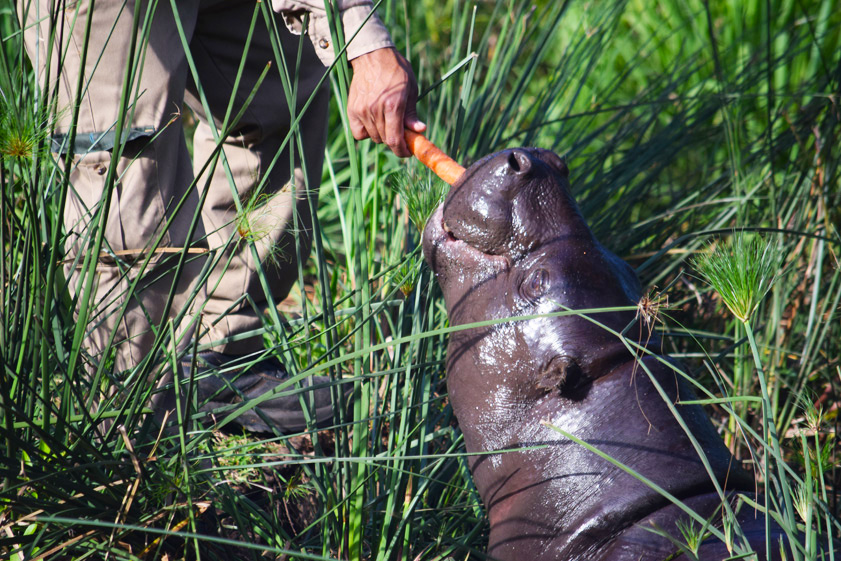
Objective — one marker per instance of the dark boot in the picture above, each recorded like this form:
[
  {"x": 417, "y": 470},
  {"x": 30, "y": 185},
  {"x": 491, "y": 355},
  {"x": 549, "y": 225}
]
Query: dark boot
[{"x": 224, "y": 380}]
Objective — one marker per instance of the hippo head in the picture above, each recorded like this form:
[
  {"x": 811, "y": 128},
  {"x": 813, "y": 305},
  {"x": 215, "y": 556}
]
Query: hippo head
[{"x": 510, "y": 241}]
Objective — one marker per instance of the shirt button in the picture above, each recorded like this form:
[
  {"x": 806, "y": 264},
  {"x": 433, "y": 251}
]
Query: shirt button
[
  {"x": 323, "y": 43},
  {"x": 101, "y": 169}
]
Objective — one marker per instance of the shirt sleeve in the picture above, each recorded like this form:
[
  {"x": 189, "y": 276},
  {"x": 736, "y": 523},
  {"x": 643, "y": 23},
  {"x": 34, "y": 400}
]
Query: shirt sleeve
[{"x": 364, "y": 36}]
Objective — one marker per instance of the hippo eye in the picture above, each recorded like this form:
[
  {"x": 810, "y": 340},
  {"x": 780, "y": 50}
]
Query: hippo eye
[{"x": 536, "y": 284}]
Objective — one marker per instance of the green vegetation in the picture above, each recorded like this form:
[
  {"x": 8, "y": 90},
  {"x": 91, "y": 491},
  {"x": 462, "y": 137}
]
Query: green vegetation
[{"x": 687, "y": 125}]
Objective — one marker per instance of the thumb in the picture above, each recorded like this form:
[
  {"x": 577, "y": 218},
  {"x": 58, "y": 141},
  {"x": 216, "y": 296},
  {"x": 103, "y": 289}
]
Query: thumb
[{"x": 411, "y": 121}]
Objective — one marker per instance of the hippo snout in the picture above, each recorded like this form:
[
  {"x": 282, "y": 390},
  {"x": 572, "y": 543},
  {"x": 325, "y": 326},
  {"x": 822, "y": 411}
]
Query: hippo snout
[{"x": 511, "y": 202}]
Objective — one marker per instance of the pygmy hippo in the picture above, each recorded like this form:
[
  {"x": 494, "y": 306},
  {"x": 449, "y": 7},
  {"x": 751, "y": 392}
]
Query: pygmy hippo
[{"x": 509, "y": 241}]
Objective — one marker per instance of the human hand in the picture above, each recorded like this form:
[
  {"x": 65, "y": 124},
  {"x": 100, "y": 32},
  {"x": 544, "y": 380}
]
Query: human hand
[{"x": 382, "y": 98}]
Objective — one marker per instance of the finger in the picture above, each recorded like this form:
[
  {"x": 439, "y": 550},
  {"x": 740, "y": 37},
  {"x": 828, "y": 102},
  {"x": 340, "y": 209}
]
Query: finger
[
  {"x": 369, "y": 116},
  {"x": 374, "y": 131},
  {"x": 377, "y": 114},
  {"x": 411, "y": 120},
  {"x": 394, "y": 119},
  {"x": 357, "y": 127},
  {"x": 369, "y": 123}
]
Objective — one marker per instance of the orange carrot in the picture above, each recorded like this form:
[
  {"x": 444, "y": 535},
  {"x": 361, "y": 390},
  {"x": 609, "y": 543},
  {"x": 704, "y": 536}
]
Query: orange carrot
[{"x": 433, "y": 157}]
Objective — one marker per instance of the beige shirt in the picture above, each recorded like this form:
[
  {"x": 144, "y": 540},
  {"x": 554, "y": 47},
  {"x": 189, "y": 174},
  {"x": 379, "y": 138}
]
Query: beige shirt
[{"x": 362, "y": 33}]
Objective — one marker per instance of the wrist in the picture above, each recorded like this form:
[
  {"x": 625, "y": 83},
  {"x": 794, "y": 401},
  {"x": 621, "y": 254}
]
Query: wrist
[{"x": 383, "y": 55}]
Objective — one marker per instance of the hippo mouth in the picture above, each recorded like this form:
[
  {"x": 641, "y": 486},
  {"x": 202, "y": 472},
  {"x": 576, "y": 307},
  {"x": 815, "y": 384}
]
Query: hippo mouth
[
  {"x": 456, "y": 249},
  {"x": 450, "y": 236}
]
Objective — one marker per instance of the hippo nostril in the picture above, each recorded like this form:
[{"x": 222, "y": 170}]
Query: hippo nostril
[
  {"x": 519, "y": 161},
  {"x": 512, "y": 162}
]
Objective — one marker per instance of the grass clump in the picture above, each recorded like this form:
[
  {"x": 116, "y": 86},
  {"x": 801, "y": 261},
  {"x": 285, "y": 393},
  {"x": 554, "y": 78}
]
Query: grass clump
[
  {"x": 742, "y": 271},
  {"x": 421, "y": 193}
]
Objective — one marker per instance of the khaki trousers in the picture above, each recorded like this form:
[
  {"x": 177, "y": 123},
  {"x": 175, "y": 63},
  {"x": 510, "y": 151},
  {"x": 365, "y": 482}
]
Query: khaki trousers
[{"x": 156, "y": 172}]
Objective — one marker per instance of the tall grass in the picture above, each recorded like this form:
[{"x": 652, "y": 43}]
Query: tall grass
[{"x": 682, "y": 123}]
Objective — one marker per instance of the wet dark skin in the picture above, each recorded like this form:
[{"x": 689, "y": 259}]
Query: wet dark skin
[{"x": 509, "y": 241}]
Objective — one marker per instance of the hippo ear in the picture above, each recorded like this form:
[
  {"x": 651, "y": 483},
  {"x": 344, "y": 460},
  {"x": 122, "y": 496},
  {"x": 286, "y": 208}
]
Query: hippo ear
[
  {"x": 559, "y": 372},
  {"x": 625, "y": 274}
]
